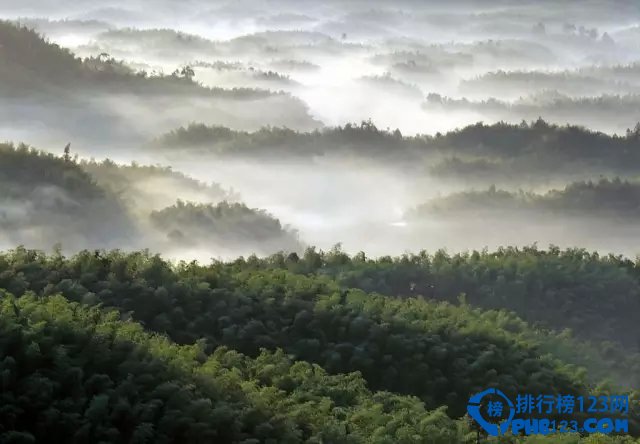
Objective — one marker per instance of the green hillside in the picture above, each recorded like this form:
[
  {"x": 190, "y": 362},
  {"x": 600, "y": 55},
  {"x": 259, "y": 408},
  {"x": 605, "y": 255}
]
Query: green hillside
[
  {"x": 456, "y": 350},
  {"x": 75, "y": 374},
  {"x": 90, "y": 375}
]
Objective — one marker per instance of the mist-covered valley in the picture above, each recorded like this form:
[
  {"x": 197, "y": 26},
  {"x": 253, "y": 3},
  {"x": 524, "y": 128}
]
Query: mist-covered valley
[
  {"x": 337, "y": 120},
  {"x": 285, "y": 221}
]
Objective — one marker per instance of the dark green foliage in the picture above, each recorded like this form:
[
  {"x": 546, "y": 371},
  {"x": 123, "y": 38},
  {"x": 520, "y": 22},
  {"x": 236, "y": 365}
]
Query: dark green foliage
[
  {"x": 595, "y": 296},
  {"x": 438, "y": 352},
  {"x": 74, "y": 374}
]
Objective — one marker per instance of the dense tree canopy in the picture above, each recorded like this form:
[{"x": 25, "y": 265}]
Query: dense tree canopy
[
  {"x": 108, "y": 345},
  {"x": 101, "y": 378},
  {"x": 596, "y": 296},
  {"x": 456, "y": 349},
  {"x": 74, "y": 374}
]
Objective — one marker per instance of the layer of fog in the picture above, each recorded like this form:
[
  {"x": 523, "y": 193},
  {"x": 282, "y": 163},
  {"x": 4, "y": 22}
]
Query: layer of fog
[
  {"x": 375, "y": 60},
  {"x": 363, "y": 207},
  {"x": 345, "y": 62},
  {"x": 328, "y": 203},
  {"x": 98, "y": 123}
]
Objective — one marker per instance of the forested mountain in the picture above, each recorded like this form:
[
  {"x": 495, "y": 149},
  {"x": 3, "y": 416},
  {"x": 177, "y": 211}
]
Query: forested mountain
[
  {"x": 94, "y": 99},
  {"x": 27, "y": 61},
  {"x": 550, "y": 142},
  {"x": 47, "y": 198},
  {"x": 603, "y": 111},
  {"x": 536, "y": 148},
  {"x": 533, "y": 153},
  {"x": 265, "y": 222},
  {"x": 270, "y": 142},
  {"x": 386, "y": 339},
  {"x": 613, "y": 200},
  {"x": 585, "y": 289},
  {"x": 216, "y": 392},
  {"x": 225, "y": 225},
  {"x": 74, "y": 374}
]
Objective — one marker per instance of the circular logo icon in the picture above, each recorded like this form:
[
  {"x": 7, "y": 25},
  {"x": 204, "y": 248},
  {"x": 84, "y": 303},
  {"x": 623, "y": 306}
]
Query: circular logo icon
[{"x": 473, "y": 408}]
